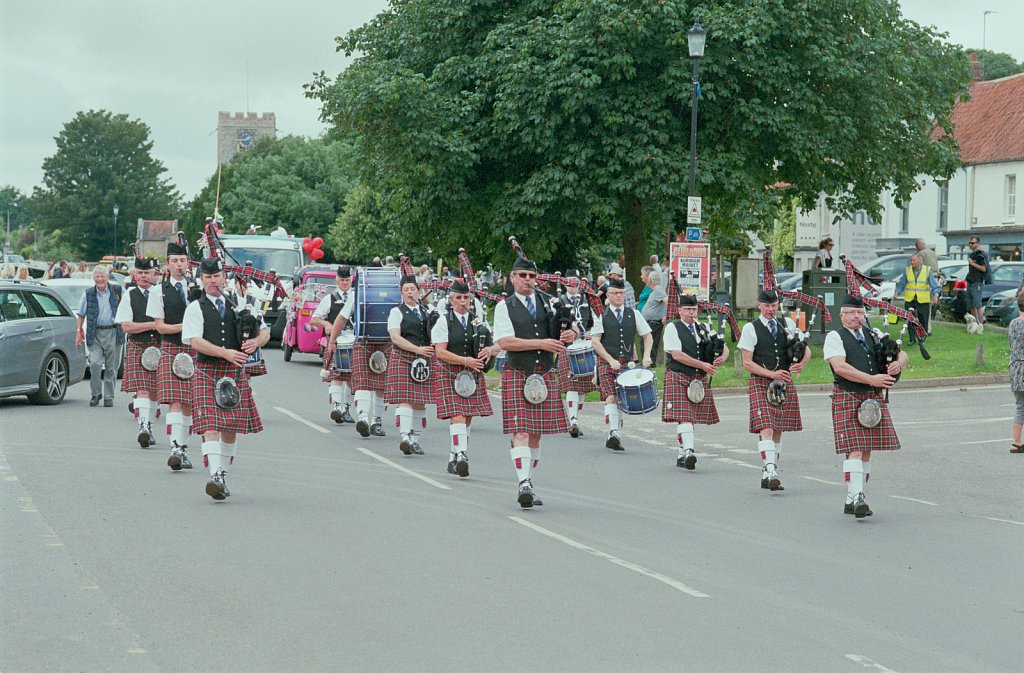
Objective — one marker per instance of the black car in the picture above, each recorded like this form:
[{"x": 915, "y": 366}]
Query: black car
[{"x": 1005, "y": 276}]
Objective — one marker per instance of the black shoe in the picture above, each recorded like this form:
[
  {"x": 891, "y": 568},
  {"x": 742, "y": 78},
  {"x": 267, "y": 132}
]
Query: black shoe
[
  {"x": 848, "y": 508},
  {"x": 525, "y": 494},
  {"x": 186, "y": 464},
  {"x": 152, "y": 439},
  {"x": 680, "y": 461},
  {"x": 131, "y": 406},
  {"x": 377, "y": 429},
  {"x": 462, "y": 465},
  {"x": 860, "y": 507},
  {"x": 174, "y": 461},
  {"x": 689, "y": 460},
  {"x": 95, "y": 401},
  {"x": 347, "y": 417},
  {"x": 764, "y": 482},
  {"x": 363, "y": 428},
  {"x": 144, "y": 438},
  {"x": 108, "y": 403},
  {"x": 336, "y": 415},
  {"x": 217, "y": 487},
  {"x": 613, "y": 442},
  {"x": 416, "y": 449},
  {"x": 452, "y": 469},
  {"x": 574, "y": 430},
  {"x": 405, "y": 446}
]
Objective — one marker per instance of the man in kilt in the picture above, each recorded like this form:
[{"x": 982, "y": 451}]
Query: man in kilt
[
  {"x": 139, "y": 328},
  {"x": 212, "y": 326},
  {"x": 763, "y": 344},
  {"x": 576, "y": 388},
  {"x": 409, "y": 382},
  {"x": 614, "y": 338},
  {"x": 237, "y": 293},
  {"x": 458, "y": 349},
  {"x": 526, "y": 326},
  {"x": 167, "y": 307},
  {"x": 681, "y": 341},
  {"x": 851, "y": 353},
  {"x": 327, "y": 311}
]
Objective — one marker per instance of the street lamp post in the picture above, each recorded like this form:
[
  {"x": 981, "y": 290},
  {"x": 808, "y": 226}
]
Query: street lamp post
[
  {"x": 116, "y": 211},
  {"x": 695, "y": 40},
  {"x": 35, "y": 247}
]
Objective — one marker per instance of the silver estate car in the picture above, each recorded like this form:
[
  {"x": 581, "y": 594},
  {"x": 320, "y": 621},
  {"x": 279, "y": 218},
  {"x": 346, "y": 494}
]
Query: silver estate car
[{"x": 38, "y": 357}]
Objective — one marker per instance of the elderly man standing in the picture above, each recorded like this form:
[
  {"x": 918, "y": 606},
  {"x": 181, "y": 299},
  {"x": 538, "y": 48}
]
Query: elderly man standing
[
  {"x": 927, "y": 255},
  {"x": 920, "y": 289},
  {"x": 616, "y": 273},
  {"x": 655, "y": 309},
  {"x": 104, "y": 338}
]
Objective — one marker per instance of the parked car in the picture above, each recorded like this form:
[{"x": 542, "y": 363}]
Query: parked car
[
  {"x": 950, "y": 270},
  {"x": 1005, "y": 276},
  {"x": 38, "y": 357},
  {"x": 71, "y": 291},
  {"x": 1002, "y": 308}
]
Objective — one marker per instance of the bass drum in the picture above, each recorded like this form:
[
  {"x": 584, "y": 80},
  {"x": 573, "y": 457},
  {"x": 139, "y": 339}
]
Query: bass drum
[{"x": 378, "y": 290}]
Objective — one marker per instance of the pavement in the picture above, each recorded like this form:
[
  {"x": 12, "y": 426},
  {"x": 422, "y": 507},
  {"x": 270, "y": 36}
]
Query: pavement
[{"x": 337, "y": 553}]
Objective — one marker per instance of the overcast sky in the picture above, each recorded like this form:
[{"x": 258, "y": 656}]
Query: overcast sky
[{"x": 174, "y": 65}]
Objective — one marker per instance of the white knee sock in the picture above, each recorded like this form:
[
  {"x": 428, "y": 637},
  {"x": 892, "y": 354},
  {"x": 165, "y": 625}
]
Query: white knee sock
[
  {"x": 142, "y": 411},
  {"x": 419, "y": 420},
  {"x": 212, "y": 456},
  {"x": 186, "y": 428},
  {"x": 364, "y": 403},
  {"x": 228, "y": 451},
  {"x": 867, "y": 472},
  {"x": 684, "y": 431},
  {"x": 521, "y": 460},
  {"x": 154, "y": 411},
  {"x": 378, "y": 406},
  {"x": 334, "y": 394},
  {"x": 404, "y": 416},
  {"x": 778, "y": 452},
  {"x": 174, "y": 427},
  {"x": 853, "y": 472},
  {"x": 534, "y": 458},
  {"x": 346, "y": 394},
  {"x": 460, "y": 437},
  {"x": 767, "y": 449},
  {"x": 611, "y": 416},
  {"x": 572, "y": 405}
]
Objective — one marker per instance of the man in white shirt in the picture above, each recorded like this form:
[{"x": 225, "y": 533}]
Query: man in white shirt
[
  {"x": 141, "y": 335},
  {"x": 339, "y": 302}
]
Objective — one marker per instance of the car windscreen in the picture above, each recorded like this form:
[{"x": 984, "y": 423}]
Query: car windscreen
[
  {"x": 71, "y": 294},
  {"x": 284, "y": 262},
  {"x": 1007, "y": 274}
]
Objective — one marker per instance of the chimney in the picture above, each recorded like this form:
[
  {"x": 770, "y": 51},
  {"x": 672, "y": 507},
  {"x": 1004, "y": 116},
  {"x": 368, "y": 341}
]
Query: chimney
[{"x": 977, "y": 69}]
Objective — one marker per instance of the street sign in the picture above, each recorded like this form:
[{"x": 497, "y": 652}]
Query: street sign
[
  {"x": 693, "y": 210},
  {"x": 694, "y": 234}
]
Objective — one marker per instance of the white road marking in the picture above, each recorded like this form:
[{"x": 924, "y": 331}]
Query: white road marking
[
  {"x": 746, "y": 451},
  {"x": 302, "y": 420},
  {"x": 731, "y": 461},
  {"x": 675, "y": 584},
  {"x": 923, "y": 502},
  {"x": 957, "y": 420},
  {"x": 825, "y": 481},
  {"x": 867, "y": 663},
  {"x": 989, "y": 441},
  {"x": 406, "y": 470},
  {"x": 1016, "y": 523}
]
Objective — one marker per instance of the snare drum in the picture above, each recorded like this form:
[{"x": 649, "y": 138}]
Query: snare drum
[
  {"x": 378, "y": 290},
  {"x": 343, "y": 352},
  {"x": 499, "y": 362},
  {"x": 582, "y": 359},
  {"x": 637, "y": 390}
]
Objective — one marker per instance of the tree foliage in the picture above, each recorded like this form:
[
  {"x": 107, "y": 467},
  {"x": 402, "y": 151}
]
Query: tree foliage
[
  {"x": 102, "y": 159},
  {"x": 564, "y": 121},
  {"x": 997, "y": 64},
  {"x": 13, "y": 208}
]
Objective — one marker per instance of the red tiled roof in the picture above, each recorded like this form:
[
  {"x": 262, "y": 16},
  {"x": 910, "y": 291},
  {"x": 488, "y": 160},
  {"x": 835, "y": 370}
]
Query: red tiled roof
[{"x": 990, "y": 126}]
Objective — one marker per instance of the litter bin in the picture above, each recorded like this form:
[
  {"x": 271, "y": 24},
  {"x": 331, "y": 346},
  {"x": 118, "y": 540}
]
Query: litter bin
[{"x": 830, "y": 285}]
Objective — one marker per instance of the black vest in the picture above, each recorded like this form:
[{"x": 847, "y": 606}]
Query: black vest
[
  {"x": 585, "y": 313},
  {"x": 460, "y": 341},
  {"x": 527, "y": 327},
  {"x": 336, "y": 305},
  {"x": 413, "y": 327},
  {"x": 770, "y": 354},
  {"x": 858, "y": 359},
  {"x": 688, "y": 345},
  {"x": 174, "y": 308},
  {"x": 138, "y": 303},
  {"x": 218, "y": 331},
  {"x": 618, "y": 339}
]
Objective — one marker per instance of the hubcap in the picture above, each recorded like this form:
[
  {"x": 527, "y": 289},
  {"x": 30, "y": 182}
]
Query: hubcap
[{"x": 56, "y": 377}]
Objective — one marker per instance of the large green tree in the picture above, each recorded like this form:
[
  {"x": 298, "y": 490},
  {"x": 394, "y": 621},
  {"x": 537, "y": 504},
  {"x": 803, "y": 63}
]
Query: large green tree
[
  {"x": 564, "y": 120},
  {"x": 102, "y": 159}
]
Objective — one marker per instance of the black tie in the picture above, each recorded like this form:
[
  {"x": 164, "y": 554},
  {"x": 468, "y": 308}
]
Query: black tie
[
  {"x": 618, "y": 315},
  {"x": 693, "y": 331},
  {"x": 181, "y": 290},
  {"x": 860, "y": 338},
  {"x": 145, "y": 293}
]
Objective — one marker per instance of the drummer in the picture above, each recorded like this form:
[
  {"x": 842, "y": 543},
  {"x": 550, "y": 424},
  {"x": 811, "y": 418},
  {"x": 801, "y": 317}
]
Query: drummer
[
  {"x": 683, "y": 366},
  {"x": 341, "y": 300},
  {"x": 763, "y": 344},
  {"x": 525, "y": 327},
  {"x": 459, "y": 355},
  {"x": 850, "y": 352},
  {"x": 139, "y": 327},
  {"x": 409, "y": 383},
  {"x": 210, "y": 326},
  {"x": 167, "y": 307},
  {"x": 614, "y": 338},
  {"x": 576, "y": 388}
]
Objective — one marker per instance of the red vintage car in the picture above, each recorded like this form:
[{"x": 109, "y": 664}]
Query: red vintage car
[{"x": 312, "y": 283}]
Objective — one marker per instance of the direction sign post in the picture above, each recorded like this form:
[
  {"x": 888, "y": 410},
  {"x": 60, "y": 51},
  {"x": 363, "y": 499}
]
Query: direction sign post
[{"x": 693, "y": 210}]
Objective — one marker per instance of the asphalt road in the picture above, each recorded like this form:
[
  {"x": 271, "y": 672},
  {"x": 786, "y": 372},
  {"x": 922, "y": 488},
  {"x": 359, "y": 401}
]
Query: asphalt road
[{"x": 336, "y": 553}]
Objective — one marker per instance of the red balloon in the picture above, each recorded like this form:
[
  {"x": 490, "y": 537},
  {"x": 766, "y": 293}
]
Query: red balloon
[
  {"x": 307, "y": 244},
  {"x": 318, "y": 242},
  {"x": 316, "y": 254}
]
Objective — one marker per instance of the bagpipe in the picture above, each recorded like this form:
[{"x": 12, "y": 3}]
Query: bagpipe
[
  {"x": 466, "y": 267},
  {"x": 213, "y": 247},
  {"x": 723, "y": 311},
  {"x": 856, "y": 281},
  {"x": 193, "y": 290},
  {"x": 430, "y": 313},
  {"x": 769, "y": 283},
  {"x": 561, "y": 316}
]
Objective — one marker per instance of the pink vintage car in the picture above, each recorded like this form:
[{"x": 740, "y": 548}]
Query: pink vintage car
[{"x": 312, "y": 283}]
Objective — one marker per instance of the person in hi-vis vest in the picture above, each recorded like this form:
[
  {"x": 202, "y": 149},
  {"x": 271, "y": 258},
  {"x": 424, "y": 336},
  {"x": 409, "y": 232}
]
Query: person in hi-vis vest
[{"x": 920, "y": 289}]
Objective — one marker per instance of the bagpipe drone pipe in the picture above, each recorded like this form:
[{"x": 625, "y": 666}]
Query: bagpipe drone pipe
[
  {"x": 856, "y": 281},
  {"x": 562, "y": 316},
  {"x": 214, "y": 247},
  {"x": 723, "y": 311}
]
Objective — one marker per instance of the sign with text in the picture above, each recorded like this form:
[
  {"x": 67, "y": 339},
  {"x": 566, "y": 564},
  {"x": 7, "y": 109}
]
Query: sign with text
[
  {"x": 690, "y": 264},
  {"x": 693, "y": 210}
]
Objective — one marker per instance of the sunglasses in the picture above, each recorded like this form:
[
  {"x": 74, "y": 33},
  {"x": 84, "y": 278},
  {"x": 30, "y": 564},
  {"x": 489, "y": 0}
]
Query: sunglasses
[{"x": 526, "y": 275}]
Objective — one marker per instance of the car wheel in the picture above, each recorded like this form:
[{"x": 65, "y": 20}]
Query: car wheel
[{"x": 53, "y": 381}]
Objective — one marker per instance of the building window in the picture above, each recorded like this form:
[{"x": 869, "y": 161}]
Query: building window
[
  {"x": 943, "y": 204},
  {"x": 905, "y": 219},
  {"x": 1011, "y": 197}
]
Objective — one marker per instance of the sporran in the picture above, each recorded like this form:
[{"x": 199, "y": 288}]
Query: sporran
[
  {"x": 226, "y": 393},
  {"x": 869, "y": 413},
  {"x": 150, "y": 358},
  {"x": 378, "y": 362},
  {"x": 695, "y": 391},
  {"x": 535, "y": 390},
  {"x": 419, "y": 370},
  {"x": 776, "y": 393},
  {"x": 183, "y": 366},
  {"x": 465, "y": 384}
]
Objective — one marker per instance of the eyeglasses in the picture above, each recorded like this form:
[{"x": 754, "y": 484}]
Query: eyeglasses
[
  {"x": 525, "y": 275},
  {"x": 973, "y": 242}
]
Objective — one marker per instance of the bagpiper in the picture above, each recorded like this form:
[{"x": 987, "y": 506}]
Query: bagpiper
[
  {"x": 142, "y": 357},
  {"x": 409, "y": 382},
  {"x": 860, "y": 411},
  {"x": 223, "y": 336},
  {"x": 340, "y": 300},
  {"x": 576, "y": 387}
]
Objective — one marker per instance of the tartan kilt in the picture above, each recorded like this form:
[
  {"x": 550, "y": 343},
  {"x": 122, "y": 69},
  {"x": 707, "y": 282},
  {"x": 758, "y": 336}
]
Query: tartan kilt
[
  {"x": 401, "y": 389},
  {"x": 676, "y": 407},
  {"x": 518, "y": 415},
  {"x": 763, "y": 414},
  {"x": 449, "y": 403},
  {"x": 243, "y": 418},
  {"x": 572, "y": 384},
  {"x": 606, "y": 377},
  {"x": 851, "y": 435},
  {"x": 333, "y": 375},
  {"x": 171, "y": 389},
  {"x": 136, "y": 377},
  {"x": 362, "y": 377}
]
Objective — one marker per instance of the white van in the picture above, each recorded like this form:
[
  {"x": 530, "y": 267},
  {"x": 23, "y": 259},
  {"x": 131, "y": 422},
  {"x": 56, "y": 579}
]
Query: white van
[{"x": 267, "y": 253}]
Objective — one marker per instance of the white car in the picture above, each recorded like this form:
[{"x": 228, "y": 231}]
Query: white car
[{"x": 71, "y": 290}]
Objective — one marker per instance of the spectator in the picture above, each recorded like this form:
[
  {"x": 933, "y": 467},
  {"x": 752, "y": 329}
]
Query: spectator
[
  {"x": 654, "y": 264},
  {"x": 823, "y": 260},
  {"x": 96, "y": 311},
  {"x": 22, "y": 273},
  {"x": 927, "y": 255},
  {"x": 7, "y": 271},
  {"x": 82, "y": 271},
  {"x": 644, "y": 271},
  {"x": 60, "y": 270},
  {"x": 1017, "y": 373},
  {"x": 654, "y": 310},
  {"x": 978, "y": 263},
  {"x": 616, "y": 273},
  {"x": 919, "y": 289}
]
